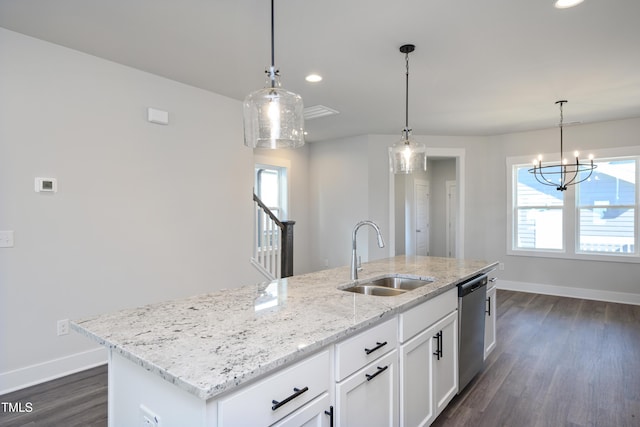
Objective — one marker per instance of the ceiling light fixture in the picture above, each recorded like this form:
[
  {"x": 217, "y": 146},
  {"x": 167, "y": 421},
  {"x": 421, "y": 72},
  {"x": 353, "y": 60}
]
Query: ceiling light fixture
[
  {"x": 272, "y": 115},
  {"x": 569, "y": 173},
  {"x": 565, "y": 4},
  {"x": 407, "y": 156},
  {"x": 313, "y": 78}
]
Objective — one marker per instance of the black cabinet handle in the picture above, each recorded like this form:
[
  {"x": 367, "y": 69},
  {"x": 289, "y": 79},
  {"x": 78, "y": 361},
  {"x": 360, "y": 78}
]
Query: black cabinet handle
[
  {"x": 379, "y": 344},
  {"x": 438, "y": 338},
  {"x": 297, "y": 393},
  {"x": 330, "y": 413},
  {"x": 488, "y": 311},
  {"x": 380, "y": 370}
]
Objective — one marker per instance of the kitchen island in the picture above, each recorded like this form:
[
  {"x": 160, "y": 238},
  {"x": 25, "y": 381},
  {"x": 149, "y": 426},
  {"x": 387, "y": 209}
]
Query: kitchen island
[{"x": 181, "y": 362}]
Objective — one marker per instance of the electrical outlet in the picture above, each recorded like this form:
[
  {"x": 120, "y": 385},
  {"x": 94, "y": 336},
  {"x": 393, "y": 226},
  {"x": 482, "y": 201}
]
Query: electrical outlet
[
  {"x": 149, "y": 419},
  {"x": 501, "y": 266},
  {"x": 63, "y": 327}
]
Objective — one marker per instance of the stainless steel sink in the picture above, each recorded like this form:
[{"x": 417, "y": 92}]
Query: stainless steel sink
[
  {"x": 387, "y": 286},
  {"x": 374, "y": 290},
  {"x": 399, "y": 283}
]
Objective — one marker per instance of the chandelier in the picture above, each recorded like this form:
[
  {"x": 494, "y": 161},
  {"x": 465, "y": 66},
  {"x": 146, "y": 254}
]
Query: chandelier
[{"x": 562, "y": 174}]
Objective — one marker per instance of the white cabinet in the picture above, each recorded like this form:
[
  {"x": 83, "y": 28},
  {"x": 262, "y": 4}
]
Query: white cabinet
[
  {"x": 369, "y": 397},
  {"x": 416, "y": 371},
  {"x": 355, "y": 352},
  {"x": 429, "y": 360},
  {"x": 445, "y": 365},
  {"x": 490, "y": 320},
  {"x": 317, "y": 413},
  {"x": 278, "y": 395}
]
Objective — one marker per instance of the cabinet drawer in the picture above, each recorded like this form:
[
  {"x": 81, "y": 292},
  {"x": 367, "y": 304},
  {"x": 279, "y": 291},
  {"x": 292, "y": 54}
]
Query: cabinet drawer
[
  {"x": 418, "y": 318},
  {"x": 355, "y": 352},
  {"x": 253, "y": 405}
]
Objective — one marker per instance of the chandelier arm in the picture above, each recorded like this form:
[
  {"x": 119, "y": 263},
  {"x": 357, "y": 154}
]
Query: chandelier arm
[
  {"x": 545, "y": 180},
  {"x": 588, "y": 176},
  {"x": 575, "y": 175}
]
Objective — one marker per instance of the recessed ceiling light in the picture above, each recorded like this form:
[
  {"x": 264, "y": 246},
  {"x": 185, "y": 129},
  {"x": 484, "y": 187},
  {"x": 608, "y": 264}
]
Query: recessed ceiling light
[
  {"x": 564, "y": 4},
  {"x": 313, "y": 78}
]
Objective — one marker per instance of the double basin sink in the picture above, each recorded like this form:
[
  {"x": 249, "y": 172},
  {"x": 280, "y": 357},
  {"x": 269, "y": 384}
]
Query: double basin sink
[{"x": 387, "y": 286}]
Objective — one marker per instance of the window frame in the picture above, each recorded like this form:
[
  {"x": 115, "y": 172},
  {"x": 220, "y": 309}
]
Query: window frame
[
  {"x": 283, "y": 192},
  {"x": 571, "y": 213}
]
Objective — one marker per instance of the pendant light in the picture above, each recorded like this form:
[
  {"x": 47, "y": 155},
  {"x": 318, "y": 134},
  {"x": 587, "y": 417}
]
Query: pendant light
[
  {"x": 407, "y": 156},
  {"x": 273, "y": 116},
  {"x": 562, "y": 174}
]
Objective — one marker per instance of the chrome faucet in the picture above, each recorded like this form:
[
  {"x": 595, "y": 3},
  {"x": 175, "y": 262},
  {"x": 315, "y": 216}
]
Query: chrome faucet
[{"x": 354, "y": 255}]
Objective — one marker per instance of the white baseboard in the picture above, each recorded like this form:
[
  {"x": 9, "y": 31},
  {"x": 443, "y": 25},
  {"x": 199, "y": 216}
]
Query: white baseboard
[
  {"x": 51, "y": 369},
  {"x": 567, "y": 291}
]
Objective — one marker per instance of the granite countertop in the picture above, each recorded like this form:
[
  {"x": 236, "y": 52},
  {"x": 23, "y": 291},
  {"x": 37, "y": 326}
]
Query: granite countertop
[{"x": 209, "y": 344}]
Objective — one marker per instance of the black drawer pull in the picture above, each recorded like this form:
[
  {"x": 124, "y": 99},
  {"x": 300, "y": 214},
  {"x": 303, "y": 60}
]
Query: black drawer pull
[
  {"x": 379, "y": 344},
  {"x": 380, "y": 370},
  {"x": 488, "y": 311},
  {"x": 330, "y": 413},
  {"x": 438, "y": 338},
  {"x": 298, "y": 392}
]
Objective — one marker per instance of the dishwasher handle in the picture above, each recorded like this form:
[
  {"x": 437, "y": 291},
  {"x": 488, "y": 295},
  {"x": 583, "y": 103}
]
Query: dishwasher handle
[{"x": 472, "y": 285}]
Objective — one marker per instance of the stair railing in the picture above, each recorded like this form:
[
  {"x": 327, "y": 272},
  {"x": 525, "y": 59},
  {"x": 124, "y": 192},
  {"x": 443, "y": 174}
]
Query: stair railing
[{"x": 273, "y": 242}]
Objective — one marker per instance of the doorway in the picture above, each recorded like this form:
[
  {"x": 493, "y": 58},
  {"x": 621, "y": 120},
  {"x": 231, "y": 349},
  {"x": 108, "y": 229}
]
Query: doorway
[{"x": 443, "y": 207}]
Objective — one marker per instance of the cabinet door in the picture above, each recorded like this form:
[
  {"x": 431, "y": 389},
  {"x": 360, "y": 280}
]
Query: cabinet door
[
  {"x": 490, "y": 322},
  {"x": 369, "y": 397},
  {"x": 416, "y": 364},
  {"x": 311, "y": 415},
  {"x": 445, "y": 365}
]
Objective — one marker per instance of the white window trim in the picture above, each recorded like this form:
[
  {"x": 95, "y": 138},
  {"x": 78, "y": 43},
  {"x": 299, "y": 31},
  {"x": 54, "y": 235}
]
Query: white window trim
[
  {"x": 570, "y": 228},
  {"x": 285, "y": 181}
]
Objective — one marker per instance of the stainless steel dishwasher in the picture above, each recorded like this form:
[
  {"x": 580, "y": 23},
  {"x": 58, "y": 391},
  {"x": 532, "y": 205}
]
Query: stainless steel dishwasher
[{"x": 472, "y": 296}]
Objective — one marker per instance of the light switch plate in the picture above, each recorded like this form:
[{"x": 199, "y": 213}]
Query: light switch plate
[{"x": 6, "y": 239}]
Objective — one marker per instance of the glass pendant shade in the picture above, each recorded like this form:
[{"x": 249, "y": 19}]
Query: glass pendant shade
[
  {"x": 407, "y": 156},
  {"x": 273, "y": 117}
]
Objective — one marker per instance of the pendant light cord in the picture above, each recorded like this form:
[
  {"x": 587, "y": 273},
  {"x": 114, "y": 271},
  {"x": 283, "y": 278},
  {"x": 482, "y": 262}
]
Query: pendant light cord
[
  {"x": 406, "y": 106},
  {"x": 272, "y": 71},
  {"x": 561, "y": 122}
]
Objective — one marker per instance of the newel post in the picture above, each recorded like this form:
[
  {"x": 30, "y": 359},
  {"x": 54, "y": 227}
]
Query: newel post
[{"x": 286, "y": 264}]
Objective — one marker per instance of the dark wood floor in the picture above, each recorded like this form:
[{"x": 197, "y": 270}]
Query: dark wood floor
[
  {"x": 559, "y": 362},
  {"x": 78, "y": 400}
]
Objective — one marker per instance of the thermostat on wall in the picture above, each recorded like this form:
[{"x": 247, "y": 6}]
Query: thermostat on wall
[
  {"x": 46, "y": 185},
  {"x": 158, "y": 116}
]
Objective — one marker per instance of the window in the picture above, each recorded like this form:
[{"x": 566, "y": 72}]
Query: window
[
  {"x": 596, "y": 219},
  {"x": 270, "y": 187},
  {"x": 538, "y": 213},
  {"x": 606, "y": 208}
]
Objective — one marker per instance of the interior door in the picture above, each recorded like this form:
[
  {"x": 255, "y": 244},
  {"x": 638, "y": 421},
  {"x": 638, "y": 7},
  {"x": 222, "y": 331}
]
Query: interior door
[{"x": 421, "y": 190}]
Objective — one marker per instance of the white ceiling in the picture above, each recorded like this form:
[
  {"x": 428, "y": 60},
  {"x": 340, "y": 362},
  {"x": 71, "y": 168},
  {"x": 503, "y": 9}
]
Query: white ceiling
[{"x": 481, "y": 67}]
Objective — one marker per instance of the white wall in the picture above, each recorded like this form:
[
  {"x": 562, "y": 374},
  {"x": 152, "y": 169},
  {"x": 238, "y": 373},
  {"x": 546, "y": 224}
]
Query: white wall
[
  {"x": 605, "y": 278},
  {"x": 338, "y": 177},
  {"x": 350, "y": 182},
  {"x": 143, "y": 212}
]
